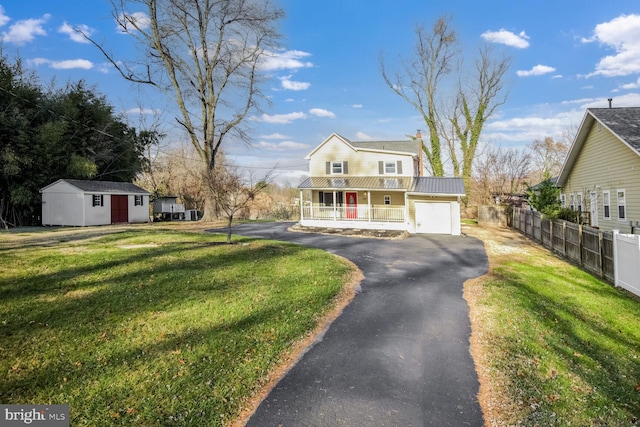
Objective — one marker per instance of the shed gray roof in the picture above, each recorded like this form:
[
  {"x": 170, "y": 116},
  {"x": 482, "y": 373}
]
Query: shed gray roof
[
  {"x": 412, "y": 147},
  {"x": 438, "y": 185},
  {"x": 624, "y": 122},
  {"x": 106, "y": 186},
  {"x": 421, "y": 185}
]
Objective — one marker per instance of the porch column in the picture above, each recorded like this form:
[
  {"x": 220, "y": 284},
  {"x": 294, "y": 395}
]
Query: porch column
[
  {"x": 335, "y": 207},
  {"x": 301, "y": 207},
  {"x": 406, "y": 208},
  {"x": 369, "y": 206}
]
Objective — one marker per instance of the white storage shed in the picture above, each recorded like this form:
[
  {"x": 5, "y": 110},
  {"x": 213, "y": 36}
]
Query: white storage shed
[{"x": 76, "y": 202}]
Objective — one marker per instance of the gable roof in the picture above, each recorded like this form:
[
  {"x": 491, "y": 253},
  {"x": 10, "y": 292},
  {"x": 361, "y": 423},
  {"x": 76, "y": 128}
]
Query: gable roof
[
  {"x": 102, "y": 186},
  {"x": 442, "y": 186},
  {"x": 404, "y": 147},
  {"x": 623, "y": 123}
]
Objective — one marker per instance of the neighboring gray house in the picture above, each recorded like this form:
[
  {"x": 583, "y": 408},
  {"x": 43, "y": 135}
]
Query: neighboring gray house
[
  {"x": 77, "y": 202},
  {"x": 601, "y": 175},
  {"x": 377, "y": 185}
]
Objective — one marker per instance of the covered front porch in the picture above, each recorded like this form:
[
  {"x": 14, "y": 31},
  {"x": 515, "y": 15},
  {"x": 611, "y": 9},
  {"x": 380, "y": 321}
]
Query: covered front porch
[{"x": 363, "y": 209}]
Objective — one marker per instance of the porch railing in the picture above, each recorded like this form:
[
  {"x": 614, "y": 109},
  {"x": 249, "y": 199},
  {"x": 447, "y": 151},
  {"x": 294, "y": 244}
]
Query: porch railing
[{"x": 356, "y": 213}]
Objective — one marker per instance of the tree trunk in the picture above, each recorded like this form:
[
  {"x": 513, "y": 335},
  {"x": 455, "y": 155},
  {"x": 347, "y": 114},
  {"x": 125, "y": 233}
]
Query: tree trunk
[{"x": 229, "y": 229}]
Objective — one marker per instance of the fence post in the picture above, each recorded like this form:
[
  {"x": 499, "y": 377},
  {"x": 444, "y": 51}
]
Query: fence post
[
  {"x": 601, "y": 252},
  {"x": 551, "y": 233},
  {"x": 580, "y": 244},
  {"x": 564, "y": 238},
  {"x": 615, "y": 257}
]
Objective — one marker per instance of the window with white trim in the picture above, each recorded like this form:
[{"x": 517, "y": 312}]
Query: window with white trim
[
  {"x": 137, "y": 201},
  {"x": 579, "y": 199},
  {"x": 622, "y": 205},
  {"x": 337, "y": 168},
  {"x": 606, "y": 204},
  {"x": 387, "y": 200},
  {"x": 563, "y": 200},
  {"x": 572, "y": 204},
  {"x": 389, "y": 167},
  {"x": 98, "y": 200}
]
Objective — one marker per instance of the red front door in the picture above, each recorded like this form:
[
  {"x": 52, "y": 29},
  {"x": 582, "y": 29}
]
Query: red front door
[
  {"x": 119, "y": 209},
  {"x": 352, "y": 205}
]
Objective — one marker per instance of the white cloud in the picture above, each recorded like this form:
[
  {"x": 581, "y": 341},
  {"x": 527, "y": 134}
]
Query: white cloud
[
  {"x": 357, "y": 106},
  {"x": 281, "y": 146},
  {"x": 67, "y": 64},
  {"x": 25, "y": 31},
  {"x": 507, "y": 37},
  {"x": 319, "y": 112},
  {"x": 75, "y": 36},
  {"x": 274, "y": 136},
  {"x": 285, "y": 60},
  {"x": 140, "y": 19},
  {"x": 3, "y": 18},
  {"x": 289, "y": 84},
  {"x": 538, "y": 70},
  {"x": 634, "y": 85},
  {"x": 621, "y": 34},
  {"x": 363, "y": 136},
  {"x": 282, "y": 118},
  {"x": 142, "y": 111}
]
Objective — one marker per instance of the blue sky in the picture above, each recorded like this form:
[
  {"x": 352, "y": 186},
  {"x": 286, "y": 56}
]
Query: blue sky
[{"x": 566, "y": 56}]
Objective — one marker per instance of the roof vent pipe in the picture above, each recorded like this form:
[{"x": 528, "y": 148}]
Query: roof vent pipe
[{"x": 610, "y": 99}]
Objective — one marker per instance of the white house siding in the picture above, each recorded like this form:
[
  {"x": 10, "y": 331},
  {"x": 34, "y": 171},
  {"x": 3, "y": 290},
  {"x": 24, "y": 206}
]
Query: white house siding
[
  {"x": 62, "y": 209},
  {"x": 605, "y": 163},
  {"x": 97, "y": 215},
  {"x": 138, "y": 214},
  {"x": 335, "y": 150}
]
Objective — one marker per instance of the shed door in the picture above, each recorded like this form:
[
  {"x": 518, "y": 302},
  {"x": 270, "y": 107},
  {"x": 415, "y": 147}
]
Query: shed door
[
  {"x": 119, "y": 209},
  {"x": 433, "y": 218}
]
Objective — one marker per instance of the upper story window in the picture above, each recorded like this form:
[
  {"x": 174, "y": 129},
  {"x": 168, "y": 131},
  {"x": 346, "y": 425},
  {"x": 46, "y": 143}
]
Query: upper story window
[
  {"x": 337, "y": 168},
  {"x": 97, "y": 200},
  {"x": 390, "y": 168}
]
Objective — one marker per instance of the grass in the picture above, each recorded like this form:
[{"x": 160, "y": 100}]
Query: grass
[
  {"x": 152, "y": 327},
  {"x": 555, "y": 346}
]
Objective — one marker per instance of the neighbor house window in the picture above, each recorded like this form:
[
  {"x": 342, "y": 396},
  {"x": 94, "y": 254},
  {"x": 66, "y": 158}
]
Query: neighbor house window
[
  {"x": 137, "y": 200},
  {"x": 563, "y": 200},
  {"x": 387, "y": 200},
  {"x": 97, "y": 200},
  {"x": 606, "y": 204},
  {"x": 579, "y": 202},
  {"x": 622, "y": 205},
  {"x": 337, "y": 168},
  {"x": 572, "y": 204}
]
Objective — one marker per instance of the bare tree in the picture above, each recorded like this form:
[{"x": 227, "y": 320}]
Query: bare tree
[
  {"x": 501, "y": 172},
  {"x": 421, "y": 76},
  {"x": 478, "y": 94},
  {"x": 548, "y": 157},
  {"x": 206, "y": 55},
  {"x": 476, "y": 102},
  {"x": 232, "y": 193}
]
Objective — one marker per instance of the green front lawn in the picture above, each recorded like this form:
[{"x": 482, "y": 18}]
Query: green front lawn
[
  {"x": 558, "y": 346},
  {"x": 152, "y": 327}
]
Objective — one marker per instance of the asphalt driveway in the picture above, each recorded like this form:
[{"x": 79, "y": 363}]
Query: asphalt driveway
[{"x": 398, "y": 355}]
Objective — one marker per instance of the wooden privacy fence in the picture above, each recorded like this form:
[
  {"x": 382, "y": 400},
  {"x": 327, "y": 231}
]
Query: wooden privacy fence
[{"x": 590, "y": 248}]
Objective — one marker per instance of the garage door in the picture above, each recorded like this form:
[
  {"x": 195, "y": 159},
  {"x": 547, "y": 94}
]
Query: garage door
[{"x": 433, "y": 218}]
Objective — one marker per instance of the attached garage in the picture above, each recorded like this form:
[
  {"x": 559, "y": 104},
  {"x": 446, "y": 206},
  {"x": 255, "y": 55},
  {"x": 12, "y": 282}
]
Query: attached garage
[
  {"x": 434, "y": 205},
  {"x": 75, "y": 202}
]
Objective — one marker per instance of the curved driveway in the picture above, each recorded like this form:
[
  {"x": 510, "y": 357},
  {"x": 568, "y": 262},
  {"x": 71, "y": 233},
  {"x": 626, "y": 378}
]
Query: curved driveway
[{"x": 398, "y": 355}]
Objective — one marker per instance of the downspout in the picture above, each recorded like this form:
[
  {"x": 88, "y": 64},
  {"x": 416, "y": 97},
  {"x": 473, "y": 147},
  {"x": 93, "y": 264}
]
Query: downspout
[
  {"x": 335, "y": 207},
  {"x": 369, "y": 205}
]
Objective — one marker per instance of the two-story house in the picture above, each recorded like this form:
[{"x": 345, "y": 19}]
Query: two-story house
[
  {"x": 601, "y": 174},
  {"x": 377, "y": 185}
]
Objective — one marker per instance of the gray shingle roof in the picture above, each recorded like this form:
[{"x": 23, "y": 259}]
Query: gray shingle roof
[
  {"x": 438, "y": 185},
  {"x": 106, "y": 186},
  {"x": 624, "y": 122},
  {"x": 412, "y": 147}
]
